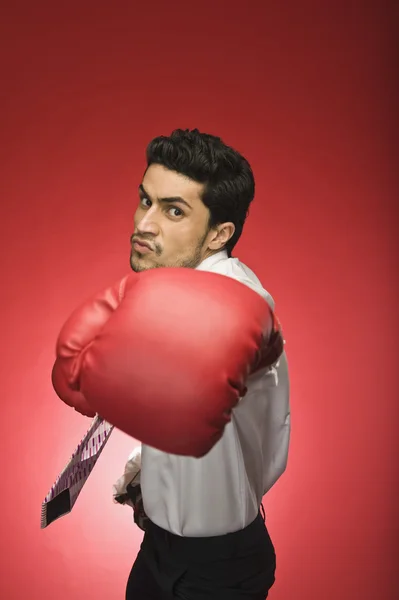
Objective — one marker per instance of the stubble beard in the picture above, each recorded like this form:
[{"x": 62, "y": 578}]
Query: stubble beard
[{"x": 189, "y": 262}]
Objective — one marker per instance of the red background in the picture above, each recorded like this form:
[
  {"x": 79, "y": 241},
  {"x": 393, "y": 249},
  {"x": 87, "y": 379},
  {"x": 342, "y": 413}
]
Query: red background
[{"x": 306, "y": 92}]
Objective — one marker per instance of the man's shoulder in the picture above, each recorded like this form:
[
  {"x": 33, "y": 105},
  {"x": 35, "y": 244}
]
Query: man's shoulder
[{"x": 234, "y": 268}]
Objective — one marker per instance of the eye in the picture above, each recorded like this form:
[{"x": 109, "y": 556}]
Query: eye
[
  {"x": 175, "y": 212},
  {"x": 145, "y": 202}
]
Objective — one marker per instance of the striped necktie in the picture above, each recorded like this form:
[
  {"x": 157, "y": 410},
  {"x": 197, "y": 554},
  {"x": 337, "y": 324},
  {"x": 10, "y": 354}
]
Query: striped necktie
[{"x": 68, "y": 485}]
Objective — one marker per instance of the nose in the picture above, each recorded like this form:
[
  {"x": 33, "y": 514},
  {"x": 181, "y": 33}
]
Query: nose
[{"x": 147, "y": 223}]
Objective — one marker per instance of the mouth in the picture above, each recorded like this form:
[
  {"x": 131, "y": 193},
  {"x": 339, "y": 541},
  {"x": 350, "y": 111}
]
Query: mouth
[{"x": 141, "y": 247}]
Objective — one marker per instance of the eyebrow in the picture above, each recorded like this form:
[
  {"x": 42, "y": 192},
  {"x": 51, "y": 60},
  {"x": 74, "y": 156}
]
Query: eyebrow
[{"x": 171, "y": 199}]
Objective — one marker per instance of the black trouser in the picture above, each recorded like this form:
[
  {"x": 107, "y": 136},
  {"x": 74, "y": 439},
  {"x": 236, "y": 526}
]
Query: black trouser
[{"x": 235, "y": 566}]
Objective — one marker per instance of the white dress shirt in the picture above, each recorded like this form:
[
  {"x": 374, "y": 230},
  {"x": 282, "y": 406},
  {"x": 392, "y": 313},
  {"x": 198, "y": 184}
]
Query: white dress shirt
[{"x": 221, "y": 492}]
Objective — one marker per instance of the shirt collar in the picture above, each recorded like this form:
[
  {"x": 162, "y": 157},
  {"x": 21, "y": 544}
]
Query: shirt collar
[{"x": 211, "y": 261}]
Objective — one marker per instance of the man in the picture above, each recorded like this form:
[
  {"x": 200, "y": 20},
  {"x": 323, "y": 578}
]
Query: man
[{"x": 205, "y": 536}]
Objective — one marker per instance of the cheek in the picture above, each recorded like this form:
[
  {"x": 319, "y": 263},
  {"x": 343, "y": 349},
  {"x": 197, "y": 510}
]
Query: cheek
[
  {"x": 182, "y": 240},
  {"x": 137, "y": 217}
]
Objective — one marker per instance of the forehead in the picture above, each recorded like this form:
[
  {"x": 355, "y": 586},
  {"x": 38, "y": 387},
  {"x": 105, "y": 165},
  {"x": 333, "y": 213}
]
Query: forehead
[{"x": 160, "y": 182}]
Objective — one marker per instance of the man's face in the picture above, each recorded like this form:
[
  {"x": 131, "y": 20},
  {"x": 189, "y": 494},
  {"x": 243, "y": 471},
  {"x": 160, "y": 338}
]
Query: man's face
[{"x": 172, "y": 221}]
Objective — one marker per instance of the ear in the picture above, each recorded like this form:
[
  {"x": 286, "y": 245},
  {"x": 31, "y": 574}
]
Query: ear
[{"x": 220, "y": 235}]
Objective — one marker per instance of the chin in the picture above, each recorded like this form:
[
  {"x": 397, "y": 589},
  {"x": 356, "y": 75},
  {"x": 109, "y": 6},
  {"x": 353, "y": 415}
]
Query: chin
[
  {"x": 137, "y": 267},
  {"x": 139, "y": 263}
]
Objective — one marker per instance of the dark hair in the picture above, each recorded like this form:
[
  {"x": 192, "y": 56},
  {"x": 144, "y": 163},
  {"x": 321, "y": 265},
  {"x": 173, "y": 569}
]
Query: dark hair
[{"x": 228, "y": 178}]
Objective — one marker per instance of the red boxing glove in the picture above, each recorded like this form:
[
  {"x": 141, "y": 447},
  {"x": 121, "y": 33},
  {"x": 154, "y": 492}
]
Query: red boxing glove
[
  {"x": 166, "y": 356},
  {"x": 79, "y": 331}
]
